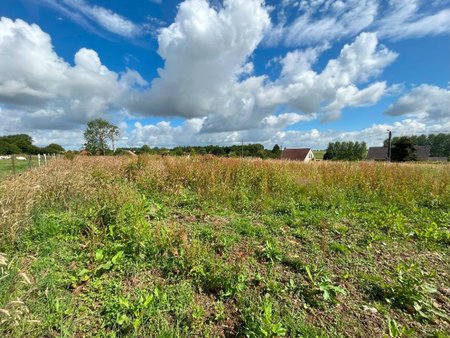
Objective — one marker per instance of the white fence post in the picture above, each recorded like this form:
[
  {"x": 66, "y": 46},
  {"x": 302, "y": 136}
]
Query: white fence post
[
  {"x": 45, "y": 159},
  {"x": 39, "y": 160}
]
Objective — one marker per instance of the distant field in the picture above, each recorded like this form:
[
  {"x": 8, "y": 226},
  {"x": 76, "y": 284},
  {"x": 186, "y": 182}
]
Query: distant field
[
  {"x": 318, "y": 154},
  {"x": 216, "y": 247},
  {"x": 21, "y": 166}
]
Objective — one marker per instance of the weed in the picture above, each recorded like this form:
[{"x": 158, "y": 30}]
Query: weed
[
  {"x": 263, "y": 321},
  {"x": 272, "y": 252},
  {"x": 319, "y": 283}
]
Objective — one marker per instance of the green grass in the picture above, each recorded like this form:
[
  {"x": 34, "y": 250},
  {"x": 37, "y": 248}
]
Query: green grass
[
  {"x": 318, "y": 154},
  {"x": 6, "y": 169},
  {"x": 207, "y": 247}
]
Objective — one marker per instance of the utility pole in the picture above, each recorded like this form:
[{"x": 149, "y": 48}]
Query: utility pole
[
  {"x": 242, "y": 149},
  {"x": 389, "y": 145}
]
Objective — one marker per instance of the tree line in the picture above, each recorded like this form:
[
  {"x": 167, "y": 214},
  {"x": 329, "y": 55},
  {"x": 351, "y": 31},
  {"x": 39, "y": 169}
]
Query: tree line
[
  {"x": 402, "y": 148},
  {"x": 23, "y": 144},
  {"x": 346, "y": 151},
  {"x": 100, "y": 134},
  {"x": 439, "y": 143},
  {"x": 246, "y": 150},
  {"x": 100, "y": 137}
]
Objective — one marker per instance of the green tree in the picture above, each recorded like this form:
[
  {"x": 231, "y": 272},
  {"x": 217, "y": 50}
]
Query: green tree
[
  {"x": 403, "y": 150},
  {"x": 145, "y": 149},
  {"x": 345, "y": 151},
  {"x": 98, "y": 134},
  {"x": 22, "y": 141},
  {"x": 439, "y": 143},
  {"x": 53, "y": 148},
  {"x": 8, "y": 148},
  {"x": 276, "y": 151}
]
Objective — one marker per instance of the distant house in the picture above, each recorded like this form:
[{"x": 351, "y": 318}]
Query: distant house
[
  {"x": 422, "y": 153},
  {"x": 302, "y": 154},
  {"x": 381, "y": 153},
  {"x": 377, "y": 154},
  {"x": 84, "y": 152}
]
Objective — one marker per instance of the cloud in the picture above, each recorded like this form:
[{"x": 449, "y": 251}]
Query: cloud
[
  {"x": 413, "y": 19},
  {"x": 329, "y": 21},
  {"x": 207, "y": 71},
  {"x": 373, "y": 135},
  {"x": 164, "y": 134},
  {"x": 320, "y": 21},
  {"x": 301, "y": 89},
  {"x": 282, "y": 121},
  {"x": 85, "y": 14},
  {"x": 48, "y": 93},
  {"x": 429, "y": 102},
  {"x": 204, "y": 51},
  {"x": 209, "y": 79}
]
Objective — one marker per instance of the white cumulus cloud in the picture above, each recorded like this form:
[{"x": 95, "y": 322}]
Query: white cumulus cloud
[
  {"x": 426, "y": 101},
  {"x": 204, "y": 51},
  {"x": 45, "y": 91},
  {"x": 207, "y": 54}
]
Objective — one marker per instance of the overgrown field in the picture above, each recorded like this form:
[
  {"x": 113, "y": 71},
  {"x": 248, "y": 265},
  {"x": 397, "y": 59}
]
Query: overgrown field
[{"x": 210, "y": 247}]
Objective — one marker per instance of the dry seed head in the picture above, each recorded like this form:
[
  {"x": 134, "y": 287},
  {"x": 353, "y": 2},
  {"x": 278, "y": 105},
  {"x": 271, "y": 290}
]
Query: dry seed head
[
  {"x": 5, "y": 312},
  {"x": 3, "y": 260},
  {"x": 25, "y": 278}
]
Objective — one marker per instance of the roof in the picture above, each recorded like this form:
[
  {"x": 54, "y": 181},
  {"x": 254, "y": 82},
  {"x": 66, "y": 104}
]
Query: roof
[
  {"x": 381, "y": 153},
  {"x": 422, "y": 152},
  {"x": 295, "y": 154},
  {"x": 377, "y": 153}
]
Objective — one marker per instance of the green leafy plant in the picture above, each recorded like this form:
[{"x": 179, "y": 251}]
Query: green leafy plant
[
  {"x": 272, "y": 252},
  {"x": 412, "y": 293},
  {"x": 263, "y": 322},
  {"x": 397, "y": 331},
  {"x": 321, "y": 284}
]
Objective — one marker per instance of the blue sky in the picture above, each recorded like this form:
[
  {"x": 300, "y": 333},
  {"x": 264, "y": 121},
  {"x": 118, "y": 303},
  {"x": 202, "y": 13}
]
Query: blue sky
[{"x": 294, "y": 72}]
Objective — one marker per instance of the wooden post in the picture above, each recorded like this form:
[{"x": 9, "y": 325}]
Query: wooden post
[
  {"x": 13, "y": 161},
  {"x": 30, "y": 164},
  {"x": 39, "y": 160}
]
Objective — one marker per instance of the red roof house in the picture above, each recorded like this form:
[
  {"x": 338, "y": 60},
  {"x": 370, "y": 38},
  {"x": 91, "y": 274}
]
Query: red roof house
[{"x": 301, "y": 154}]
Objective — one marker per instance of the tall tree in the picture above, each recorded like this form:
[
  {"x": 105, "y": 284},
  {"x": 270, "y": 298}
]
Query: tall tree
[
  {"x": 276, "y": 151},
  {"x": 403, "y": 150},
  {"x": 8, "y": 148},
  {"x": 98, "y": 134}
]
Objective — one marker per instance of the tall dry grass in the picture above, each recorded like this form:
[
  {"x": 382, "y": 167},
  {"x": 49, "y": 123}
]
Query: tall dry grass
[
  {"x": 220, "y": 178},
  {"x": 73, "y": 184},
  {"x": 62, "y": 184}
]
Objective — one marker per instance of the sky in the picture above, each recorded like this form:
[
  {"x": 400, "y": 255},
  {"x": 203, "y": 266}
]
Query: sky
[{"x": 296, "y": 73}]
